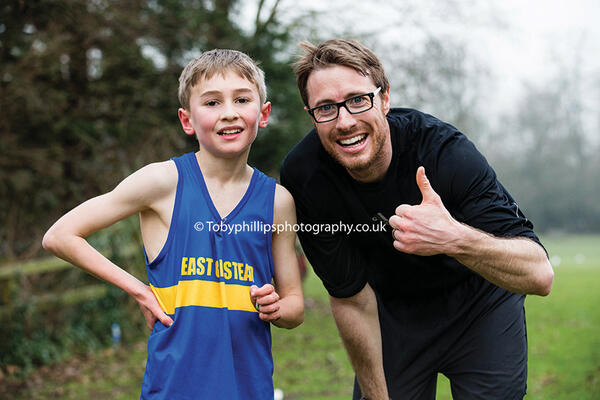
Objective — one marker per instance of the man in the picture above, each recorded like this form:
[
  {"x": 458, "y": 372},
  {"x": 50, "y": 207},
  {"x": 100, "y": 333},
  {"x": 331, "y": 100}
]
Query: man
[{"x": 442, "y": 289}]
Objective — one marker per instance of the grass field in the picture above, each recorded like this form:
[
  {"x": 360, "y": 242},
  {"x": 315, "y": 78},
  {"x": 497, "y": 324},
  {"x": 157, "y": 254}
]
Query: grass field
[{"x": 310, "y": 362}]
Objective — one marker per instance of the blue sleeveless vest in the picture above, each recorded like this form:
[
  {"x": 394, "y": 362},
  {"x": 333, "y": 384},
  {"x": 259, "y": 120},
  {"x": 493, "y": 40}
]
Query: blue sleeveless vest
[{"x": 217, "y": 347}]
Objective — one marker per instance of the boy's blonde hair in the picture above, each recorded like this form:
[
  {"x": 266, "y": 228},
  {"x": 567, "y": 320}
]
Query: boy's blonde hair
[
  {"x": 220, "y": 61},
  {"x": 348, "y": 53}
]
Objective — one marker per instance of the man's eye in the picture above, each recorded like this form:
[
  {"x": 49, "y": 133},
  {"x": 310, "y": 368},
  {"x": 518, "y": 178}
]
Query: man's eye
[
  {"x": 358, "y": 100},
  {"x": 327, "y": 107}
]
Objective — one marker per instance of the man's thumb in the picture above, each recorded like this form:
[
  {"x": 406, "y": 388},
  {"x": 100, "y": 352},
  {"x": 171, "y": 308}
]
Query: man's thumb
[{"x": 425, "y": 186}]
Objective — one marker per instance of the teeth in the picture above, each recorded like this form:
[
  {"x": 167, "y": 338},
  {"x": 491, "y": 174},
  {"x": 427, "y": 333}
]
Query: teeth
[
  {"x": 230, "y": 131},
  {"x": 352, "y": 140}
]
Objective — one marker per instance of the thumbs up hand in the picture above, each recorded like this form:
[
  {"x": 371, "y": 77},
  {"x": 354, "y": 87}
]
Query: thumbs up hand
[{"x": 425, "y": 229}]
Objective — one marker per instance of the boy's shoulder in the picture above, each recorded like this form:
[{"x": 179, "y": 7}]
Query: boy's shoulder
[
  {"x": 162, "y": 173},
  {"x": 284, "y": 205},
  {"x": 153, "y": 180}
]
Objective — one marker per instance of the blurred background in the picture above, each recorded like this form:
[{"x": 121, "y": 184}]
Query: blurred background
[{"x": 88, "y": 94}]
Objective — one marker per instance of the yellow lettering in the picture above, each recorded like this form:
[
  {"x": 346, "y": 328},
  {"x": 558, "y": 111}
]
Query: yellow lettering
[
  {"x": 240, "y": 270},
  {"x": 234, "y": 265},
  {"x": 209, "y": 267},
  {"x": 227, "y": 270},
  {"x": 191, "y": 266},
  {"x": 222, "y": 269},
  {"x": 184, "y": 265},
  {"x": 249, "y": 273},
  {"x": 200, "y": 266}
]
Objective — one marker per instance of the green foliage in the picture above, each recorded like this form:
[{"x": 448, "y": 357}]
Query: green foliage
[
  {"x": 310, "y": 362},
  {"x": 37, "y": 334},
  {"x": 88, "y": 92}
]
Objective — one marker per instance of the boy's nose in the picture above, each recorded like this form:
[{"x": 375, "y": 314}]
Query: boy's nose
[{"x": 229, "y": 112}]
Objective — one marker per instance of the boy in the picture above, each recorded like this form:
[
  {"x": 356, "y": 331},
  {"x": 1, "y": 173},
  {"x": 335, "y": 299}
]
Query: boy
[{"x": 210, "y": 301}]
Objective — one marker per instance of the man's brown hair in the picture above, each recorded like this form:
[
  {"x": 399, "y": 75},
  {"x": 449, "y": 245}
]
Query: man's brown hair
[{"x": 348, "y": 53}]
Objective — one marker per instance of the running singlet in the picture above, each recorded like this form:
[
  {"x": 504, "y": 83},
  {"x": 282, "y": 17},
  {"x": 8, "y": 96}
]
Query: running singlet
[{"x": 217, "y": 347}]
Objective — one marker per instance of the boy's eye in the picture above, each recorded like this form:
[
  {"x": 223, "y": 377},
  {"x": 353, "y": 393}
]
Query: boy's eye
[
  {"x": 211, "y": 103},
  {"x": 243, "y": 100}
]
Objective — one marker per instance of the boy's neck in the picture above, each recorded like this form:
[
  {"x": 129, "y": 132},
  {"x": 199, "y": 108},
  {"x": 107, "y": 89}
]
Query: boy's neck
[{"x": 223, "y": 169}]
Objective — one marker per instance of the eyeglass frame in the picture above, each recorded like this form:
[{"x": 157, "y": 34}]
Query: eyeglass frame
[{"x": 371, "y": 95}]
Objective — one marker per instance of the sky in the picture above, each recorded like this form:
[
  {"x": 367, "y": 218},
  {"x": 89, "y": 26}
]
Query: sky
[
  {"x": 540, "y": 38},
  {"x": 519, "y": 42}
]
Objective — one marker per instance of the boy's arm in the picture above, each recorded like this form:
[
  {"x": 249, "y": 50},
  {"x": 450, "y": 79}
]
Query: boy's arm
[
  {"x": 284, "y": 304},
  {"x": 138, "y": 192}
]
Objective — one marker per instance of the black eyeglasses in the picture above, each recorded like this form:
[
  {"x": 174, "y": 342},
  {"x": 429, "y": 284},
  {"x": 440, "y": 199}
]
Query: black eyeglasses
[{"x": 354, "y": 105}]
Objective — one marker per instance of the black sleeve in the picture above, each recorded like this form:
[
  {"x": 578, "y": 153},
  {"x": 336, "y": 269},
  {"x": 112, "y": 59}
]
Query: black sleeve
[
  {"x": 472, "y": 193},
  {"x": 334, "y": 258}
]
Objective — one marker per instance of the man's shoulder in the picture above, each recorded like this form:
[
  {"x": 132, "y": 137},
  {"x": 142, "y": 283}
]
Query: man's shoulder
[
  {"x": 415, "y": 121},
  {"x": 422, "y": 133}
]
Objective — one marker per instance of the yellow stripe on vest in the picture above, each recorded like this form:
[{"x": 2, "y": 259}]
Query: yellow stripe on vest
[{"x": 205, "y": 294}]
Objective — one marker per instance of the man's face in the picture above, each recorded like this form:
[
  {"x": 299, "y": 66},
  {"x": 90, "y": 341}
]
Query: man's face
[{"x": 359, "y": 142}]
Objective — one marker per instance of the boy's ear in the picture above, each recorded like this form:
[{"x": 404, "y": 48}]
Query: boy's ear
[
  {"x": 265, "y": 111},
  {"x": 186, "y": 123}
]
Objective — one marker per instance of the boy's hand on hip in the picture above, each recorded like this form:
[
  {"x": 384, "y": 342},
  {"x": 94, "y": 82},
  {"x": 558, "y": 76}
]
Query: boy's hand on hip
[
  {"x": 266, "y": 302},
  {"x": 151, "y": 309}
]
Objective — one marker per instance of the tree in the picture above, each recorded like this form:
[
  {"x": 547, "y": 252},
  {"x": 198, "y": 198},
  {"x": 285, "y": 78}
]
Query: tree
[
  {"x": 88, "y": 93},
  {"x": 546, "y": 158}
]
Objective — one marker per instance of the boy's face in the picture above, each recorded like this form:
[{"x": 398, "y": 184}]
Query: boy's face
[{"x": 225, "y": 114}]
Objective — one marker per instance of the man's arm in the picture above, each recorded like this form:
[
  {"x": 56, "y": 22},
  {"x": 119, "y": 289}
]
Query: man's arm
[
  {"x": 283, "y": 305},
  {"x": 66, "y": 238},
  {"x": 357, "y": 320},
  {"x": 516, "y": 264},
  {"x": 341, "y": 266}
]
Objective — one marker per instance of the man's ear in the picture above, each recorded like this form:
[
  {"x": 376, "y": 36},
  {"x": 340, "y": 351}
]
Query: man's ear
[
  {"x": 265, "y": 111},
  {"x": 386, "y": 101},
  {"x": 310, "y": 116},
  {"x": 186, "y": 122}
]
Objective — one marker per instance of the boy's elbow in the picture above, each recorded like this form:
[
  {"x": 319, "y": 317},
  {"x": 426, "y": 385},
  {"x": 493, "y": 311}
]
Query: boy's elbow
[
  {"x": 295, "y": 320},
  {"x": 51, "y": 241},
  {"x": 300, "y": 318}
]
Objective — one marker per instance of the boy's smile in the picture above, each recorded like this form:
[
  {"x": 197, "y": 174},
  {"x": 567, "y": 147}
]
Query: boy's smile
[{"x": 225, "y": 113}]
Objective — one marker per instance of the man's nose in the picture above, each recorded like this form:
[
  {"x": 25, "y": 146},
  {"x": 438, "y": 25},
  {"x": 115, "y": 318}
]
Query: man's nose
[{"x": 345, "y": 120}]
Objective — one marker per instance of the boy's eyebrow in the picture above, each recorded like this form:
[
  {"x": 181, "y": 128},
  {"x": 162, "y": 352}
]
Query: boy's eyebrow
[{"x": 218, "y": 92}]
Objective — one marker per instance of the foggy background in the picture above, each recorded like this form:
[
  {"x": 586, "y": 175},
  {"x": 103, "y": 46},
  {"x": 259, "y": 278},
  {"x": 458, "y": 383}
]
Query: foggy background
[
  {"x": 88, "y": 91},
  {"x": 88, "y": 94}
]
